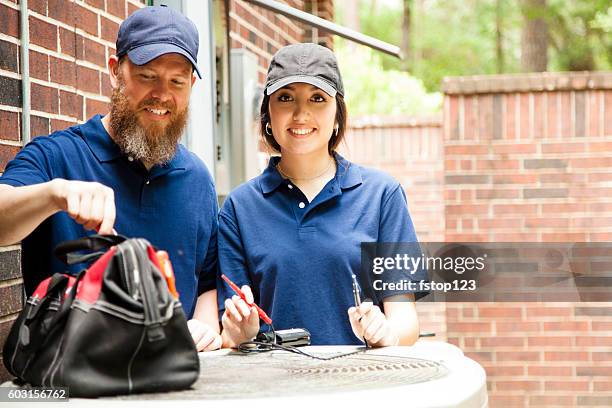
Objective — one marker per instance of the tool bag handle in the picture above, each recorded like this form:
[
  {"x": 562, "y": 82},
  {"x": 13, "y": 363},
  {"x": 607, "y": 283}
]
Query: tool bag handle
[{"x": 99, "y": 243}]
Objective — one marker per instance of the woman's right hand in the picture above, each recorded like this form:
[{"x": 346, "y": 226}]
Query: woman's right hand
[{"x": 240, "y": 322}]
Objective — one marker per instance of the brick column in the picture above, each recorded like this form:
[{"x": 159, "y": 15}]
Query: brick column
[{"x": 528, "y": 158}]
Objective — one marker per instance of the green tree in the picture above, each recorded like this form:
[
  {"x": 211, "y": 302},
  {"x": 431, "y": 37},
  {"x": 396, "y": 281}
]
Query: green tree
[
  {"x": 580, "y": 34},
  {"x": 371, "y": 89},
  {"x": 470, "y": 37},
  {"x": 447, "y": 38},
  {"x": 534, "y": 36}
]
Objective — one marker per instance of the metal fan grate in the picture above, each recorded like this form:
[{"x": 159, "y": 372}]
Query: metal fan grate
[{"x": 284, "y": 374}]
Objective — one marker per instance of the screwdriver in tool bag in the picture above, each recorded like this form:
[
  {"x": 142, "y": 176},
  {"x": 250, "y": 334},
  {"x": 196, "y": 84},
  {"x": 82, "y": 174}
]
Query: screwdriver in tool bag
[{"x": 166, "y": 269}]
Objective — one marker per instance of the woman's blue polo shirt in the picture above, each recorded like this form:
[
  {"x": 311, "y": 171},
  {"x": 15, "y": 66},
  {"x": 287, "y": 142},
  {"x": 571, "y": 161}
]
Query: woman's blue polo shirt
[
  {"x": 174, "y": 205},
  {"x": 298, "y": 257}
]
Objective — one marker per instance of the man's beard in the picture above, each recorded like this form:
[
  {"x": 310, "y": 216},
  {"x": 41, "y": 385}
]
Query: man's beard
[{"x": 153, "y": 143}]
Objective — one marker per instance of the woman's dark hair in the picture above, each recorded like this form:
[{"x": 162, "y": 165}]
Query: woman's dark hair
[{"x": 341, "y": 119}]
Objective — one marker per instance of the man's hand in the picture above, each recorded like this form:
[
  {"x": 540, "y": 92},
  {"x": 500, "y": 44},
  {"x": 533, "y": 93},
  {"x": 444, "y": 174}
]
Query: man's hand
[
  {"x": 240, "y": 323},
  {"x": 204, "y": 336},
  {"x": 88, "y": 203},
  {"x": 369, "y": 322}
]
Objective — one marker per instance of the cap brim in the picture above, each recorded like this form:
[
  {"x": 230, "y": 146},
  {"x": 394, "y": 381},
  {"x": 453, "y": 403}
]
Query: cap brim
[
  {"x": 147, "y": 53},
  {"x": 319, "y": 83}
]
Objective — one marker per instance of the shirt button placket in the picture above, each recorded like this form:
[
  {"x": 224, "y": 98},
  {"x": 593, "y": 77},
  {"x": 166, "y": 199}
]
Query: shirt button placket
[{"x": 301, "y": 205}]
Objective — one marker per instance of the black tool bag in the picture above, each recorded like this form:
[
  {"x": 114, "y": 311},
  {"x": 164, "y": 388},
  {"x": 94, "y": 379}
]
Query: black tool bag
[{"x": 113, "y": 329}]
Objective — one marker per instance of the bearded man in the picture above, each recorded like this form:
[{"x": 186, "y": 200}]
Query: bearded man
[{"x": 126, "y": 171}]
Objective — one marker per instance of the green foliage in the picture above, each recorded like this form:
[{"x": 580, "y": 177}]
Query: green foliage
[
  {"x": 603, "y": 21},
  {"x": 370, "y": 89},
  {"x": 580, "y": 34},
  {"x": 451, "y": 38},
  {"x": 459, "y": 39},
  {"x": 385, "y": 25}
]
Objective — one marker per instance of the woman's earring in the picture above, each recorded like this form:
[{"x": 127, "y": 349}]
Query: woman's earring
[{"x": 268, "y": 129}]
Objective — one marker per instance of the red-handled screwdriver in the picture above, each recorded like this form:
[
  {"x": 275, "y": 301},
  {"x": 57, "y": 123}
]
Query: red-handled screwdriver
[{"x": 236, "y": 289}]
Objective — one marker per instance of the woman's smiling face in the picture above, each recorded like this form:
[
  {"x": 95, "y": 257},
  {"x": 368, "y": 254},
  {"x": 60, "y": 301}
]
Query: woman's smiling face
[{"x": 302, "y": 118}]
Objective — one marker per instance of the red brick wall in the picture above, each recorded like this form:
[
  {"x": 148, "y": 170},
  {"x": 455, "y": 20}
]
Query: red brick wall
[
  {"x": 263, "y": 32},
  {"x": 532, "y": 164},
  {"x": 527, "y": 158},
  {"x": 70, "y": 43},
  {"x": 538, "y": 354}
]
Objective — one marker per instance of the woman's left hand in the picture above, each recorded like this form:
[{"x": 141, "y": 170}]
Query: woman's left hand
[
  {"x": 369, "y": 323},
  {"x": 204, "y": 336}
]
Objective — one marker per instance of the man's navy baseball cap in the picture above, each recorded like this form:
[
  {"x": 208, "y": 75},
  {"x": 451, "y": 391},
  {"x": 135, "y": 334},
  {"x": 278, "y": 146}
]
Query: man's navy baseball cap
[{"x": 153, "y": 31}]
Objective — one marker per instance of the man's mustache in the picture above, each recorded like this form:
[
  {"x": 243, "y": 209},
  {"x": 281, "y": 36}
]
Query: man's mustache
[{"x": 155, "y": 104}]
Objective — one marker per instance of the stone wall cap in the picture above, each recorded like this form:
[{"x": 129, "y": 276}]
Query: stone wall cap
[
  {"x": 531, "y": 82},
  {"x": 395, "y": 121}
]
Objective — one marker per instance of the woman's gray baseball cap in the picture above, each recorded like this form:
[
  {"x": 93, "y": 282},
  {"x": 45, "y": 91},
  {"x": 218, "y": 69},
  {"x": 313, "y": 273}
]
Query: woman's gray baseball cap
[
  {"x": 153, "y": 31},
  {"x": 306, "y": 62}
]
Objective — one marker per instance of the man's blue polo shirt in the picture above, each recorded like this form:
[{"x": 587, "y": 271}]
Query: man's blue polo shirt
[
  {"x": 298, "y": 257},
  {"x": 174, "y": 206}
]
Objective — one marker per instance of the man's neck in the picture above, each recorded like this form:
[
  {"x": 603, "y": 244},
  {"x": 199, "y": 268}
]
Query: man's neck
[
  {"x": 107, "y": 126},
  {"x": 109, "y": 130}
]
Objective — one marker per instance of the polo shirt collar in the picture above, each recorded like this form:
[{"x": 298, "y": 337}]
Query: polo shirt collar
[
  {"x": 347, "y": 174},
  {"x": 99, "y": 141},
  {"x": 270, "y": 179},
  {"x": 106, "y": 150}
]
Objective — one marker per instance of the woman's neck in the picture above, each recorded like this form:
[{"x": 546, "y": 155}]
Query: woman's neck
[
  {"x": 310, "y": 173},
  {"x": 300, "y": 167}
]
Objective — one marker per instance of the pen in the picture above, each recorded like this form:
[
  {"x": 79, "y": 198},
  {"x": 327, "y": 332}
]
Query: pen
[
  {"x": 236, "y": 289},
  {"x": 356, "y": 296},
  {"x": 357, "y": 300}
]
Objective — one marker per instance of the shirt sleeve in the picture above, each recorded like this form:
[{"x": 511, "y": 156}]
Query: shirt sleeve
[
  {"x": 232, "y": 258},
  {"x": 397, "y": 236},
  {"x": 32, "y": 165},
  {"x": 208, "y": 275}
]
